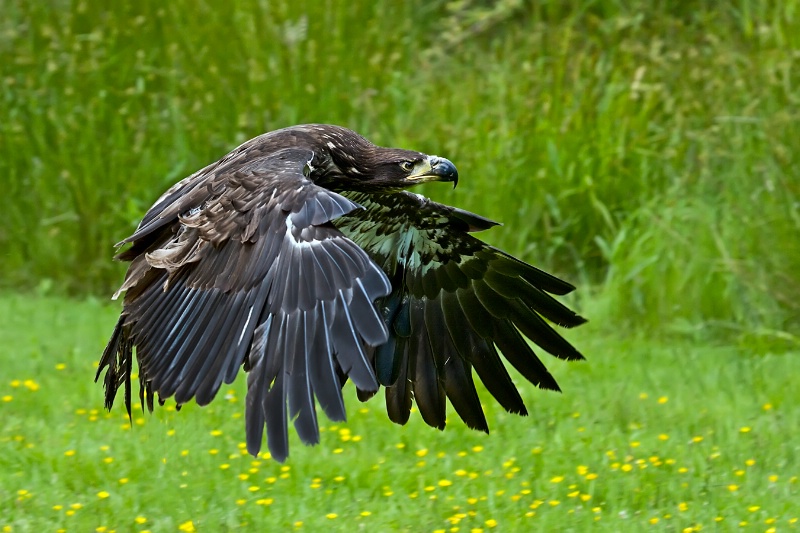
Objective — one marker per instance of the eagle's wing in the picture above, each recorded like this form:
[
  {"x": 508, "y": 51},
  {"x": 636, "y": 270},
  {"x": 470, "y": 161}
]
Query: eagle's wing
[
  {"x": 240, "y": 264},
  {"x": 456, "y": 302}
]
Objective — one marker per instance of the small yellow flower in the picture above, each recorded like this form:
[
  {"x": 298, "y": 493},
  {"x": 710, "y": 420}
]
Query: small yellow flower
[
  {"x": 767, "y": 406},
  {"x": 445, "y": 483},
  {"x": 140, "y": 520},
  {"x": 103, "y": 495},
  {"x": 745, "y": 429},
  {"x": 663, "y": 436},
  {"x": 733, "y": 487},
  {"x": 663, "y": 399},
  {"x": 654, "y": 520},
  {"x": 683, "y": 506},
  {"x": 754, "y": 508},
  {"x": 773, "y": 478},
  {"x": 557, "y": 479},
  {"x": 477, "y": 449},
  {"x": 216, "y": 432},
  {"x": 187, "y": 527},
  {"x": 750, "y": 462},
  {"x": 366, "y": 513},
  {"x": 422, "y": 452},
  {"x": 331, "y": 516},
  {"x": 69, "y": 453},
  {"x": 553, "y": 503},
  {"x": 697, "y": 438},
  {"x": 626, "y": 467}
]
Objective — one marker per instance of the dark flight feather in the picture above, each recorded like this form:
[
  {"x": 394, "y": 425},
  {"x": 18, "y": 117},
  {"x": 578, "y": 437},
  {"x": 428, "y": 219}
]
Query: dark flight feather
[{"x": 299, "y": 258}]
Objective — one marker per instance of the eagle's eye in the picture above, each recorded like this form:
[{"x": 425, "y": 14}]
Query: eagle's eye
[{"x": 408, "y": 166}]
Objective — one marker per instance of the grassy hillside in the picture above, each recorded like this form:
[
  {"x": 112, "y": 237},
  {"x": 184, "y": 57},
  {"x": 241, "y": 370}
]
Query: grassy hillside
[
  {"x": 645, "y": 436},
  {"x": 646, "y": 148}
]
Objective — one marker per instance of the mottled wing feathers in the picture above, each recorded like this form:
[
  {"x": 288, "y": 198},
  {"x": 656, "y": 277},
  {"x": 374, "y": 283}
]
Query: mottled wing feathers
[
  {"x": 456, "y": 304},
  {"x": 241, "y": 265}
]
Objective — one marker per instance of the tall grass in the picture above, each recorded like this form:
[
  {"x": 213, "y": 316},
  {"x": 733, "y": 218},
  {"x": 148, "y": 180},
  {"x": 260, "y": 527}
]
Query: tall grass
[{"x": 648, "y": 148}]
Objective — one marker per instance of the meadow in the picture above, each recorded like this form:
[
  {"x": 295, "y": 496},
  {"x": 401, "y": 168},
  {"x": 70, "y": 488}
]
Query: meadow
[
  {"x": 646, "y": 151},
  {"x": 646, "y": 435}
]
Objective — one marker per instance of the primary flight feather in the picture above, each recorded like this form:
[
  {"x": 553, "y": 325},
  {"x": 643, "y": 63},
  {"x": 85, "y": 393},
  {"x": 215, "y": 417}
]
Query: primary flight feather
[{"x": 300, "y": 256}]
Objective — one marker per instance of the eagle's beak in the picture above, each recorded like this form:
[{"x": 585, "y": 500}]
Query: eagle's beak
[{"x": 436, "y": 169}]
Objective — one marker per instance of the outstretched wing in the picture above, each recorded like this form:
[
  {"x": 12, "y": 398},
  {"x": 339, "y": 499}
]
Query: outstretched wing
[
  {"x": 240, "y": 264},
  {"x": 456, "y": 303}
]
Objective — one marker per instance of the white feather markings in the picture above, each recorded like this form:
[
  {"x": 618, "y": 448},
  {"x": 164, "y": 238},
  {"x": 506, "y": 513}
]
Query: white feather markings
[{"x": 249, "y": 316}]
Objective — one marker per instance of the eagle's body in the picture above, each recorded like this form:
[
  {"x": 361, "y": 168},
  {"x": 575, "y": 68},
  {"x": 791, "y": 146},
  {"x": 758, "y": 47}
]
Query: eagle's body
[{"x": 299, "y": 256}]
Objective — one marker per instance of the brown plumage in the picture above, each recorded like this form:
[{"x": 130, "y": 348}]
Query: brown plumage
[{"x": 300, "y": 257}]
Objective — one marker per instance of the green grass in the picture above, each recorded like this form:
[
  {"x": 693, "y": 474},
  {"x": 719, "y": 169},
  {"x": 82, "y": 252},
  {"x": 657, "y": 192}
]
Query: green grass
[
  {"x": 649, "y": 149},
  {"x": 680, "y": 434}
]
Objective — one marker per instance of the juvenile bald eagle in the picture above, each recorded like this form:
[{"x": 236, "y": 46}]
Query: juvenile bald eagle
[{"x": 300, "y": 256}]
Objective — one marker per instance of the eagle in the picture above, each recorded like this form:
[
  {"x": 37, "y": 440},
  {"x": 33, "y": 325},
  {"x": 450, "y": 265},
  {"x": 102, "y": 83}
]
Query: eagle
[{"x": 301, "y": 257}]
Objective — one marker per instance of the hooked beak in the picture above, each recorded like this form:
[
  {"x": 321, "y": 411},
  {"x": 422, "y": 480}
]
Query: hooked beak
[{"x": 436, "y": 169}]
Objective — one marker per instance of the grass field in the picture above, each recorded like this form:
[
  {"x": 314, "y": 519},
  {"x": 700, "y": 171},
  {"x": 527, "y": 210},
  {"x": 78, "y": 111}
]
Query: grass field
[
  {"x": 647, "y": 151},
  {"x": 645, "y": 436}
]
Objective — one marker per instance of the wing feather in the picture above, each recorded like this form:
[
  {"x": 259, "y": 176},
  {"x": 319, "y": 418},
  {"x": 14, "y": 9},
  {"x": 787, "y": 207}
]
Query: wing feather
[
  {"x": 455, "y": 302},
  {"x": 242, "y": 266}
]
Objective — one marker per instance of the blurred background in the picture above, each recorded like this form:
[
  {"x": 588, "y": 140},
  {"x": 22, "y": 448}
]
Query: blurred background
[{"x": 647, "y": 151}]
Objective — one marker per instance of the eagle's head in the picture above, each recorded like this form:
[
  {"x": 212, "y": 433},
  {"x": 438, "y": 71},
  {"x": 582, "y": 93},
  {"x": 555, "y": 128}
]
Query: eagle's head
[{"x": 346, "y": 161}]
